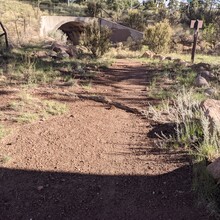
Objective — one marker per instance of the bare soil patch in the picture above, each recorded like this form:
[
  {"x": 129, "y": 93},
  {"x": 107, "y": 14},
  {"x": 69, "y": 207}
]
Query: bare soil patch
[{"x": 96, "y": 161}]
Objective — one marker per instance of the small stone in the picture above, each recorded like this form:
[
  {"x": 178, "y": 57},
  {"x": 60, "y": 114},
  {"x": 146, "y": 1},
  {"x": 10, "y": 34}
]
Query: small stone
[
  {"x": 158, "y": 56},
  {"x": 168, "y": 58},
  {"x": 63, "y": 54},
  {"x": 39, "y": 188},
  {"x": 148, "y": 54},
  {"x": 47, "y": 46},
  {"x": 53, "y": 54}
]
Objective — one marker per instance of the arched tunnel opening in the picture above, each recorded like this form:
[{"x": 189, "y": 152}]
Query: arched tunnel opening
[{"x": 73, "y": 31}]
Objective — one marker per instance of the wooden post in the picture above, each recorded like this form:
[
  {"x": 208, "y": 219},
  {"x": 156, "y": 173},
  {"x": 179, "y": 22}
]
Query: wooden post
[
  {"x": 196, "y": 24},
  {"x": 4, "y": 34},
  {"x": 195, "y": 37}
]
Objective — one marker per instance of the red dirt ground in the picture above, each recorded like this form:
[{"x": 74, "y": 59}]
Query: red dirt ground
[{"x": 96, "y": 161}]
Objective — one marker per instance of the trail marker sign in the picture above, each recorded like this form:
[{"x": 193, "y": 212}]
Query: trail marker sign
[{"x": 196, "y": 25}]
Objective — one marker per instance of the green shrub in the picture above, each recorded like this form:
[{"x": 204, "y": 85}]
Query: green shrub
[
  {"x": 210, "y": 34},
  {"x": 93, "y": 9},
  {"x": 135, "y": 19},
  {"x": 158, "y": 37},
  {"x": 59, "y": 36},
  {"x": 96, "y": 39}
]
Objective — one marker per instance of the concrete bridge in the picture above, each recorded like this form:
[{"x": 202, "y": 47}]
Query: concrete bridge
[{"x": 73, "y": 27}]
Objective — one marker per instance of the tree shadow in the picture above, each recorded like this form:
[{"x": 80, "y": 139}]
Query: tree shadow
[{"x": 26, "y": 194}]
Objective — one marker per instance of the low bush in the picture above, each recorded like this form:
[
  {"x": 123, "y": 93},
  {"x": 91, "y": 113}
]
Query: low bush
[{"x": 158, "y": 37}]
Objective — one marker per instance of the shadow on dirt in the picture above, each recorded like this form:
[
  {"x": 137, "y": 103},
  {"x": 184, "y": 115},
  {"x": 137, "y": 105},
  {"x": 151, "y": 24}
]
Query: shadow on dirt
[
  {"x": 57, "y": 195},
  {"x": 167, "y": 129},
  {"x": 135, "y": 75}
]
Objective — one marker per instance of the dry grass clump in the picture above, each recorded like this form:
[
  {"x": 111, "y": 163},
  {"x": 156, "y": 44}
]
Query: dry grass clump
[{"x": 30, "y": 109}]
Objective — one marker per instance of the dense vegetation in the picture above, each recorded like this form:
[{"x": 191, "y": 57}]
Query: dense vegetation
[{"x": 137, "y": 15}]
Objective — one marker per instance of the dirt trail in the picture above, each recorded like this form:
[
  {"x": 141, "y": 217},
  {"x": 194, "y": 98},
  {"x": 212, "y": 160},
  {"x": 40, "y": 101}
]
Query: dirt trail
[
  {"x": 125, "y": 82},
  {"x": 96, "y": 162}
]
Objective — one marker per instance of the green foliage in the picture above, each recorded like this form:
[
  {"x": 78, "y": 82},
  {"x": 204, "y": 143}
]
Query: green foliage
[
  {"x": 96, "y": 39},
  {"x": 4, "y": 159},
  {"x": 156, "y": 92},
  {"x": 55, "y": 108},
  {"x": 206, "y": 188},
  {"x": 210, "y": 34},
  {"x": 209, "y": 148},
  {"x": 186, "y": 79},
  {"x": 30, "y": 109},
  {"x": 59, "y": 36},
  {"x": 158, "y": 37},
  {"x": 118, "y": 5},
  {"x": 93, "y": 9},
  {"x": 135, "y": 19},
  {"x": 27, "y": 118}
]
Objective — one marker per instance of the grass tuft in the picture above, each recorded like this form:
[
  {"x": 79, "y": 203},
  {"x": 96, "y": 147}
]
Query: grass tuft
[{"x": 55, "y": 108}]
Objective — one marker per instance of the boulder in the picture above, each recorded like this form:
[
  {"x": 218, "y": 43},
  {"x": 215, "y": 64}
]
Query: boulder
[
  {"x": 214, "y": 169},
  {"x": 201, "y": 82},
  {"x": 206, "y": 74},
  {"x": 211, "y": 108}
]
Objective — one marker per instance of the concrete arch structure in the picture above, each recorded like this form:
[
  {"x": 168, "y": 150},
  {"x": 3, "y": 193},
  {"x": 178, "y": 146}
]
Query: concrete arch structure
[
  {"x": 120, "y": 33},
  {"x": 52, "y": 23}
]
